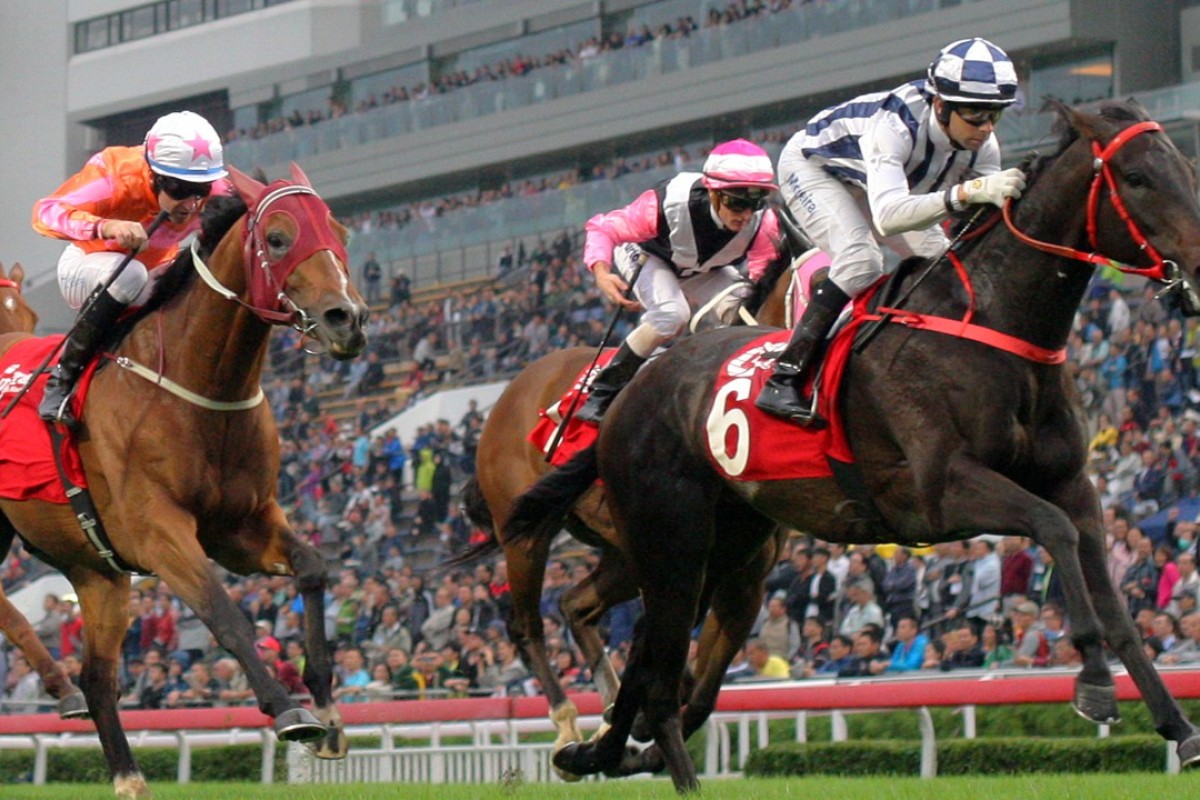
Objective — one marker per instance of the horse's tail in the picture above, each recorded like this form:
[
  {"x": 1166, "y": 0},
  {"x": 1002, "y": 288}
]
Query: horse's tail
[
  {"x": 475, "y": 507},
  {"x": 548, "y": 501}
]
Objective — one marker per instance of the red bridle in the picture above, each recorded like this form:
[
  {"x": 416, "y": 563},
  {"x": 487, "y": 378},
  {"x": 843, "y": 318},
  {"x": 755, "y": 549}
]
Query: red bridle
[
  {"x": 7, "y": 283},
  {"x": 1102, "y": 176}
]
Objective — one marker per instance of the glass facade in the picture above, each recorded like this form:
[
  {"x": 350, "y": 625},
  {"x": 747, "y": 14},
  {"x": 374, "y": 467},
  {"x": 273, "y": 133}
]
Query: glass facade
[{"x": 152, "y": 19}]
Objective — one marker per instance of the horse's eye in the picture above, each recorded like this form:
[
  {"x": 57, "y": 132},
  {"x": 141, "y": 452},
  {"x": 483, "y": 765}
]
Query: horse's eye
[
  {"x": 276, "y": 241},
  {"x": 1135, "y": 179}
]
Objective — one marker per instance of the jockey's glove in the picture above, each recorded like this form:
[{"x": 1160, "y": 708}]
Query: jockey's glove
[{"x": 994, "y": 188}]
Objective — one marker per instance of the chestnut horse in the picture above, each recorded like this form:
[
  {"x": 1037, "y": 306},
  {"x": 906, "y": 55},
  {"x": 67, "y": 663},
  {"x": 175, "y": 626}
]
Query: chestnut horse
[
  {"x": 976, "y": 428},
  {"x": 507, "y": 464},
  {"x": 182, "y": 454},
  {"x": 16, "y": 316}
]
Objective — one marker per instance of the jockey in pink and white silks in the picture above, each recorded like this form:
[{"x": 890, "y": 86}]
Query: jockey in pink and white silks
[
  {"x": 690, "y": 231},
  {"x": 887, "y": 168}
]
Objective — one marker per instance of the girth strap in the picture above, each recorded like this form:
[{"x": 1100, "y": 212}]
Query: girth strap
[{"x": 85, "y": 510}]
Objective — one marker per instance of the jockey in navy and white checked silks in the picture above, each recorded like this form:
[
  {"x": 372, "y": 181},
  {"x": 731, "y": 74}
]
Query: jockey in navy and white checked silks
[
  {"x": 895, "y": 149},
  {"x": 887, "y": 167}
]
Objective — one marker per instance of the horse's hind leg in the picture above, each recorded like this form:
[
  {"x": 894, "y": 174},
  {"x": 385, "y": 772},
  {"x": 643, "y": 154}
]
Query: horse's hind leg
[
  {"x": 610, "y": 583},
  {"x": 526, "y": 570},
  {"x": 104, "y": 601},
  {"x": 20, "y": 633}
]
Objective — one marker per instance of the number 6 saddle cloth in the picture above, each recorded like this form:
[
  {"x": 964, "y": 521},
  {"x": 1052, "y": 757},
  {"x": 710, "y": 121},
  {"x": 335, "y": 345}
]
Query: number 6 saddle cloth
[
  {"x": 746, "y": 444},
  {"x": 743, "y": 443}
]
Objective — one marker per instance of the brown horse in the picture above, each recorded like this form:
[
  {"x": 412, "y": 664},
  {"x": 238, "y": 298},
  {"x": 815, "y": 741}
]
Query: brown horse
[
  {"x": 16, "y": 316},
  {"x": 182, "y": 456},
  {"x": 952, "y": 434},
  {"x": 507, "y": 464}
]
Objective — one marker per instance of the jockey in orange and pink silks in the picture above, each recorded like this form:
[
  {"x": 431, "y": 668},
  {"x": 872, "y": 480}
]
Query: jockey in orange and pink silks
[
  {"x": 105, "y": 209},
  {"x": 690, "y": 231}
]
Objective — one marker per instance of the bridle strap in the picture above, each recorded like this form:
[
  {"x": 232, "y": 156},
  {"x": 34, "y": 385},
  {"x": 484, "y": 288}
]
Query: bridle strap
[
  {"x": 1102, "y": 175},
  {"x": 7, "y": 283}
]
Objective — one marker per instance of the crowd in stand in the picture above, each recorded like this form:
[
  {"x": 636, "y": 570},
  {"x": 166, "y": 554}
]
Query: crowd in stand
[{"x": 518, "y": 66}]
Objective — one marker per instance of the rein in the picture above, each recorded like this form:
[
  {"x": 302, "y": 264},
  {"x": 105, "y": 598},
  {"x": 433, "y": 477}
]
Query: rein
[{"x": 1102, "y": 176}]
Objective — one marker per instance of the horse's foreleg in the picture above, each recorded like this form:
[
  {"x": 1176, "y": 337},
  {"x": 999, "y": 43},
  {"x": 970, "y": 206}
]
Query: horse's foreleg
[
  {"x": 318, "y": 667},
  {"x": 984, "y": 500},
  {"x": 1169, "y": 719},
  {"x": 104, "y": 602},
  {"x": 184, "y": 565}
]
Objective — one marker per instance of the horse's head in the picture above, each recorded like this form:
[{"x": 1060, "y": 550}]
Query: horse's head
[
  {"x": 1142, "y": 208},
  {"x": 295, "y": 256},
  {"x": 15, "y": 314}
]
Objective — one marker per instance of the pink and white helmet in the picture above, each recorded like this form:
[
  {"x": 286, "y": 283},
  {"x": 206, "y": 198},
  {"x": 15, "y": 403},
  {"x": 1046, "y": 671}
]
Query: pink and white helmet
[
  {"x": 739, "y": 164},
  {"x": 183, "y": 145}
]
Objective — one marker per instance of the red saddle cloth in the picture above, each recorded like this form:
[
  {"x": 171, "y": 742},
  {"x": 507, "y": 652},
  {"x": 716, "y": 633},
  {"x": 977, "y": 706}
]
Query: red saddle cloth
[
  {"x": 746, "y": 444},
  {"x": 743, "y": 443},
  {"x": 577, "y": 435},
  {"x": 27, "y": 470}
]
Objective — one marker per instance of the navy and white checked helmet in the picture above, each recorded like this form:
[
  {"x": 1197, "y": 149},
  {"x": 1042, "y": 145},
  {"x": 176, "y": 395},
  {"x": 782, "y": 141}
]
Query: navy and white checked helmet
[{"x": 975, "y": 72}]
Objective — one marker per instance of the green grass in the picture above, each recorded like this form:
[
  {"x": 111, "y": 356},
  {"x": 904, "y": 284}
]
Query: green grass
[{"x": 1041, "y": 787}]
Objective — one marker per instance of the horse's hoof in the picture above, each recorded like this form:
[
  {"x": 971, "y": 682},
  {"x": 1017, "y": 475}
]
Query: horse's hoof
[
  {"x": 1096, "y": 703},
  {"x": 1189, "y": 751},
  {"x": 564, "y": 760},
  {"x": 73, "y": 706},
  {"x": 298, "y": 725},
  {"x": 635, "y": 762},
  {"x": 332, "y": 745},
  {"x": 641, "y": 732}
]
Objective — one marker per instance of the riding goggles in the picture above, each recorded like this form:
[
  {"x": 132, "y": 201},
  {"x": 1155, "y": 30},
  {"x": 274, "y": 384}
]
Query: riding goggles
[
  {"x": 748, "y": 201},
  {"x": 182, "y": 190},
  {"x": 978, "y": 117}
]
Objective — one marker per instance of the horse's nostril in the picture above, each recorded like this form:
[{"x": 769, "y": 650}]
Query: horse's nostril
[{"x": 337, "y": 317}]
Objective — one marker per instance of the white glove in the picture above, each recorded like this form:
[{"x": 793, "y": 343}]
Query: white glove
[{"x": 994, "y": 188}]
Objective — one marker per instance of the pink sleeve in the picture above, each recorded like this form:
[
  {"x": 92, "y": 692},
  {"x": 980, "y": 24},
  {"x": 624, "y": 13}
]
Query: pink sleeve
[
  {"x": 765, "y": 246},
  {"x": 636, "y": 222},
  {"x": 1166, "y": 584}
]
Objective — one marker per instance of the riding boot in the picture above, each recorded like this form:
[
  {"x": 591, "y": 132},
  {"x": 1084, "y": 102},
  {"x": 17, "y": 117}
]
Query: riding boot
[
  {"x": 87, "y": 337},
  {"x": 780, "y": 396},
  {"x": 609, "y": 383}
]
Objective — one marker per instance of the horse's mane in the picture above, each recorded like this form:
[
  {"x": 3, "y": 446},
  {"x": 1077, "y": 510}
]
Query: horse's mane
[{"x": 218, "y": 217}]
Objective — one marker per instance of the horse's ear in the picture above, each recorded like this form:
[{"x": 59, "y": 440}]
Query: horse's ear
[
  {"x": 1072, "y": 123},
  {"x": 17, "y": 274},
  {"x": 298, "y": 176},
  {"x": 249, "y": 189}
]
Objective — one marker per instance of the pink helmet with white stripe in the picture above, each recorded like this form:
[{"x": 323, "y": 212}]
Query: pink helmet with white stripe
[{"x": 739, "y": 164}]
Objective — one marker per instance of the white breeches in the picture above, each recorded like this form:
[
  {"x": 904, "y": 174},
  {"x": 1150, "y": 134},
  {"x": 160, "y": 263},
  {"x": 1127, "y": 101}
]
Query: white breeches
[
  {"x": 669, "y": 300},
  {"x": 79, "y": 273},
  {"x": 837, "y": 218}
]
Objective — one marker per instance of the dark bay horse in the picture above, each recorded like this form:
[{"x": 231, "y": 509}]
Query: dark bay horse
[
  {"x": 182, "y": 455},
  {"x": 17, "y": 316},
  {"x": 507, "y": 464},
  {"x": 951, "y": 435}
]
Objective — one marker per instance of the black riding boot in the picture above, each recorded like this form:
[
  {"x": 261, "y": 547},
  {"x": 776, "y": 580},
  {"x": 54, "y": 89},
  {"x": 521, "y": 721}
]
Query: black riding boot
[
  {"x": 609, "y": 382},
  {"x": 780, "y": 396},
  {"x": 88, "y": 336}
]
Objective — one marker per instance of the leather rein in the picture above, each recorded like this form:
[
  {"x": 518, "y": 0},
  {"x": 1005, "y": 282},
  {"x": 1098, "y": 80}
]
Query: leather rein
[{"x": 1102, "y": 176}]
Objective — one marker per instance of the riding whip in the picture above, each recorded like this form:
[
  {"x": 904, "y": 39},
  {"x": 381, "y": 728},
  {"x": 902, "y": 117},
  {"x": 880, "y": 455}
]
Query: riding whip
[
  {"x": 872, "y": 329},
  {"x": 158, "y": 220},
  {"x": 558, "y": 434}
]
